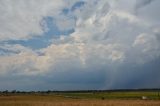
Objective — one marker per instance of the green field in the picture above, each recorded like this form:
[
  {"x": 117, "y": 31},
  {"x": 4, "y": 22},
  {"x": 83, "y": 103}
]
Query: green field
[
  {"x": 132, "y": 98},
  {"x": 112, "y": 95},
  {"x": 152, "y": 95}
]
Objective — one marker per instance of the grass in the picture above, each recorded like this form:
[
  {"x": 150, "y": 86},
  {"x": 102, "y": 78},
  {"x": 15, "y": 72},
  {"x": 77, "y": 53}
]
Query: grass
[
  {"x": 114, "y": 95},
  {"x": 81, "y": 99}
]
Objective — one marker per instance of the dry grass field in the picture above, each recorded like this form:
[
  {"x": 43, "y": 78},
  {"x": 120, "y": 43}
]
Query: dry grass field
[
  {"x": 82, "y": 103},
  {"x": 53, "y": 100}
]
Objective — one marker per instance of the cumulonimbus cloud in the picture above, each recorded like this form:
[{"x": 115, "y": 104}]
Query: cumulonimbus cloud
[{"x": 107, "y": 38}]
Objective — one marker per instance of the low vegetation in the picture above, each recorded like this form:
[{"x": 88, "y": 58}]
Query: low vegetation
[{"x": 80, "y": 98}]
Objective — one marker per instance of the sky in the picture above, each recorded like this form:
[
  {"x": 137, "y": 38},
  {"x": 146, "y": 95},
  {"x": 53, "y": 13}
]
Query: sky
[{"x": 79, "y": 44}]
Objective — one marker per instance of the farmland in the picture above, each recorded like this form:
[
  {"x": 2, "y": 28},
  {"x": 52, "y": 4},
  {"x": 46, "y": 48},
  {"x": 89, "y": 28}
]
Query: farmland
[{"x": 128, "y": 98}]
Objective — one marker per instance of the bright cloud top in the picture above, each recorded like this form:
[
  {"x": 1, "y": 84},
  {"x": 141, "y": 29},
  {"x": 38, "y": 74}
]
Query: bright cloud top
[{"x": 107, "y": 37}]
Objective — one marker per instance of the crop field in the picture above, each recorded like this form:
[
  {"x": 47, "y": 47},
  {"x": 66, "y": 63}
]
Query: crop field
[{"x": 81, "y": 99}]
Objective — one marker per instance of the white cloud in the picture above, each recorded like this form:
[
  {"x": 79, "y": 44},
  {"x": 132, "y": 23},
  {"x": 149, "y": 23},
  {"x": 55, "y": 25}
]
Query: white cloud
[
  {"x": 65, "y": 23},
  {"x": 147, "y": 41},
  {"x": 22, "y": 19},
  {"x": 107, "y": 38},
  {"x": 107, "y": 35},
  {"x": 141, "y": 39},
  {"x": 148, "y": 46}
]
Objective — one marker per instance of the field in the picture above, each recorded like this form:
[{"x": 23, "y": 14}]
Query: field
[{"x": 81, "y": 99}]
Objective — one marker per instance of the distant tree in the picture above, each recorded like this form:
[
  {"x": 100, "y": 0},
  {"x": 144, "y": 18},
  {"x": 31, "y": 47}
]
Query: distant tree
[
  {"x": 17, "y": 91},
  {"x": 32, "y": 92},
  {"x": 48, "y": 91},
  {"x": 6, "y": 91},
  {"x": 13, "y": 91}
]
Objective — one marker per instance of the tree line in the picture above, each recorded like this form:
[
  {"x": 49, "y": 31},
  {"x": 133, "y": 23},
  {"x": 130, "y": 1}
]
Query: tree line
[{"x": 75, "y": 91}]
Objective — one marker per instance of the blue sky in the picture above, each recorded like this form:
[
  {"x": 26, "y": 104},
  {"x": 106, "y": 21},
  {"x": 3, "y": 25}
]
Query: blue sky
[
  {"x": 43, "y": 40},
  {"x": 79, "y": 45}
]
